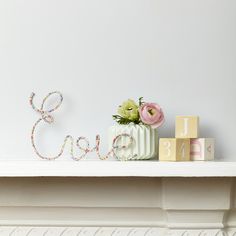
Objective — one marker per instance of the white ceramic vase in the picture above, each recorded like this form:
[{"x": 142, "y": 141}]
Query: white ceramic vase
[{"x": 144, "y": 145}]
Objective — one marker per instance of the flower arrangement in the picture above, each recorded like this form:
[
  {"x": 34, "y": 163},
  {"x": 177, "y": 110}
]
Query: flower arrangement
[{"x": 142, "y": 113}]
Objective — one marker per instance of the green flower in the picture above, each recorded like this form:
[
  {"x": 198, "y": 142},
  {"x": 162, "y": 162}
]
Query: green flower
[{"x": 129, "y": 110}]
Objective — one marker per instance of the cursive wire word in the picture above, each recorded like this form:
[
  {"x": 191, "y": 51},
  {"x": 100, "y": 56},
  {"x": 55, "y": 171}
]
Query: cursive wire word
[{"x": 48, "y": 118}]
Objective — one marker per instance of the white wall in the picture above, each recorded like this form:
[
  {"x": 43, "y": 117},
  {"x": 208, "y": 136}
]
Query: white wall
[{"x": 179, "y": 53}]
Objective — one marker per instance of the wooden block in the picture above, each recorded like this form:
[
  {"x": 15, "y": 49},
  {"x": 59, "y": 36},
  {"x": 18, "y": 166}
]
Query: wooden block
[
  {"x": 186, "y": 126},
  {"x": 174, "y": 149},
  {"x": 202, "y": 149}
]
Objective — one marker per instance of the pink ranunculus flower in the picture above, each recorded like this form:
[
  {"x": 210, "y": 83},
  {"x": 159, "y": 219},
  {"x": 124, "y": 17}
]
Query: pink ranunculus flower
[{"x": 151, "y": 114}]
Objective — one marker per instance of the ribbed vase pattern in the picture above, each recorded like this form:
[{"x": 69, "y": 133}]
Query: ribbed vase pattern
[{"x": 145, "y": 141}]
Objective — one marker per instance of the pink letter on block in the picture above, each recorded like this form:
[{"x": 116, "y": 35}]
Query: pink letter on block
[{"x": 196, "y": 149}]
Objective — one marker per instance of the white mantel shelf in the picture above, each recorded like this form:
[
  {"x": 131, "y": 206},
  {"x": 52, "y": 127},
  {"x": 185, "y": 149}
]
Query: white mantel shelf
[
  {"x": 180, "y": 199},
  {"x": 116, "y": 169}
]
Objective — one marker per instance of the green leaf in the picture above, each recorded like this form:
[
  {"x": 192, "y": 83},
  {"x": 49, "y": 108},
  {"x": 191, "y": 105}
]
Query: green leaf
[
  {"x": 140, "y": 101},
  {"x": 124, "y": 121}
]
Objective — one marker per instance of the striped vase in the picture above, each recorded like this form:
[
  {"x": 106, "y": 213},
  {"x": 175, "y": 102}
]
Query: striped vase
[{"x": 144, "y": 145}]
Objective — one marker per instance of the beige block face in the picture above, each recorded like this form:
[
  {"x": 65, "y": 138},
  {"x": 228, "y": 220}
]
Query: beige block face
[
  {"x": 172, "y": 149},
  {"x": 209, "y": 149},
  {"x": 202, "y": 149},
  {"x": 186, "y": 126},
  {"x": 183, "y": 149},
  {"x": 167, "y": 149}
]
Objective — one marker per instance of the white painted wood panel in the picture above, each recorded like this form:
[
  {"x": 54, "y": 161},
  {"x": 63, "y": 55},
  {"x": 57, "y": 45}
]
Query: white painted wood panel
[{"x": 116, "y": 169}]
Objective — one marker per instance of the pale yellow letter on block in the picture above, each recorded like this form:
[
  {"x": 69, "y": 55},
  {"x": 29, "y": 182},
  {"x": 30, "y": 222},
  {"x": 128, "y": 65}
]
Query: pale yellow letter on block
[
  {"x": 202, "y": 149},
  {"x": 186, "y": 126},
  {"x": 174, "y": 149}
]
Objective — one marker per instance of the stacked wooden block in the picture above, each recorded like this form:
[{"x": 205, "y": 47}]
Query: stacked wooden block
[{"x": 186, "y": 146}]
